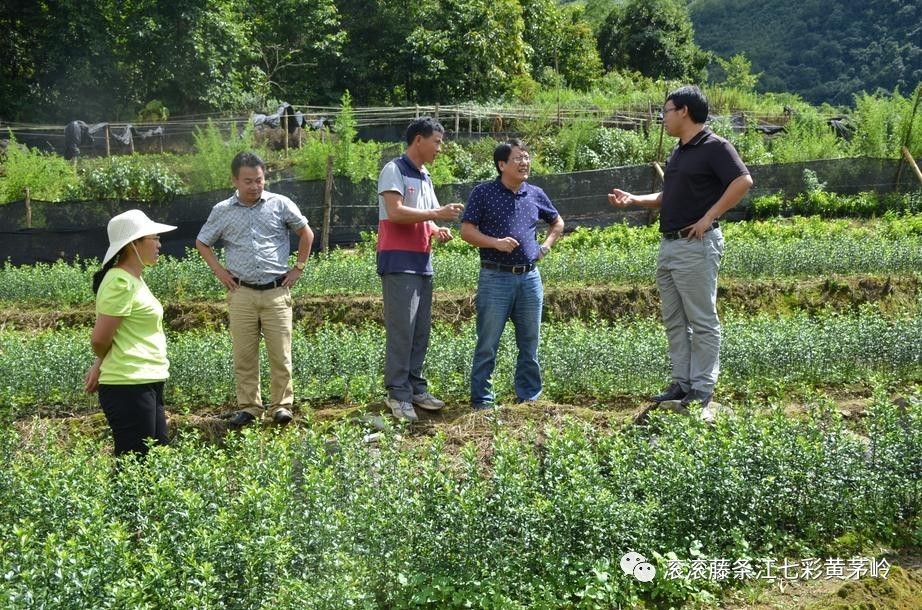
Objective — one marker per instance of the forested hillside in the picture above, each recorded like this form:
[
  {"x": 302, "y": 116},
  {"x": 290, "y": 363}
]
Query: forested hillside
[{"x": 824, "y": 50}]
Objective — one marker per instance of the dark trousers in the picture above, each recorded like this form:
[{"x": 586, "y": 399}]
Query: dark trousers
[
  {"x": 135, "y": 413},
  {"x": 407, "y": 322}
]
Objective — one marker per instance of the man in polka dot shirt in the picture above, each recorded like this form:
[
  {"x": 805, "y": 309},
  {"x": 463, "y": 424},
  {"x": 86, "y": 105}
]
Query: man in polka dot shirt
[{"x": 501, "y": 219}]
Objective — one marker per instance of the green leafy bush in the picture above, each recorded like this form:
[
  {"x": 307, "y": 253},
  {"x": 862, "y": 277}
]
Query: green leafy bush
[
  {"x": 358, "y": 160},
  {"x": 131, "y": 178},
  {"x": 630, "y": 359},
  {"x": 46, "y": 175},
  {"x": 532, "y": 520},
  {"x": 211, "y": 164}
]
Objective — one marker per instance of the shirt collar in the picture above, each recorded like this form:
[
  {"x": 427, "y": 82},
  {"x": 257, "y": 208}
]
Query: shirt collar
[
  {"x": 421, "y": 169},
  {"x": 236, "y": 200},
  {"x": 699, "y": 137},
  {"x": 517, "y": 193}
]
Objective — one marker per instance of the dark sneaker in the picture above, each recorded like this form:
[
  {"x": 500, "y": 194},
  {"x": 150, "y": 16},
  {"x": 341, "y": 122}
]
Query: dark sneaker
[
  {"x": 673, "y": 392},
  {"x": 241, "y": 418},
  {"x": 282, "y": 416},
  {"x": 696, "y": 396}
]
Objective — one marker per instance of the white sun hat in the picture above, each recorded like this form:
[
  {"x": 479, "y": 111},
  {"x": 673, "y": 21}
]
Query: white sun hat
[{"x": 129, "y": 226}]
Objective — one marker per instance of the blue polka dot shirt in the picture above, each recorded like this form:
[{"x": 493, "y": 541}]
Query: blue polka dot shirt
[{"x": 498, "y": 212}]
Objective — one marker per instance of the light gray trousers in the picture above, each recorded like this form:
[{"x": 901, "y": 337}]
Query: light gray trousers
[{"x": 686, "y": 276}]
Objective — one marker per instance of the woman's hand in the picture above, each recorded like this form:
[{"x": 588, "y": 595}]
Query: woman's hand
[{"x": 91, "y": 379}]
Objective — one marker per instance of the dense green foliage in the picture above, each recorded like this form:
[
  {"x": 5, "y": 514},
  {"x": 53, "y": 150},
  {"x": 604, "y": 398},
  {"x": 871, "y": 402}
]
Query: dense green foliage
[
  {"x": 825, "y": 51},
  {"x": 653, "y": 37},
  {"x": 106, "y": 60},
  {"x": 796, "y": 247},
  {"x": 629, "y": 358},
  {"x": 816, "y": 200},
  {"x": 126, "y": 178},
  {"x": 293, "y": 520},
  {"x": 46, "y": 175}
]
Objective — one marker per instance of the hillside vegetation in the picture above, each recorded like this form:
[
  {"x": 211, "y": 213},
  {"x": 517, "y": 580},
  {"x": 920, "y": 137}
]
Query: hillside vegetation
[{"x": 824, "y": 51}]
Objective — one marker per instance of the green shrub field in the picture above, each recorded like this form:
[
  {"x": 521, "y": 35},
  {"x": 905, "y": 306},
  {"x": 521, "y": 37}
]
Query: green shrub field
[
  {"x": 815, "y": 453},
  {"x": 796, "y": 247}
]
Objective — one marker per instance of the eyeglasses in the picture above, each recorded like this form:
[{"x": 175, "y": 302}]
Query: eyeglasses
[
  {"x": 665, "y": 111},
  {"x": 521, "y": 159}
]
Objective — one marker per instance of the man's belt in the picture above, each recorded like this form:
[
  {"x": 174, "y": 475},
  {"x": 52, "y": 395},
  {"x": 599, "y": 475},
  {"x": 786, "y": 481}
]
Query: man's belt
[
  {"x": 276, "y": 283},
  {"x": 684, "y": 232},
  {"x": 517, "y": 269}
]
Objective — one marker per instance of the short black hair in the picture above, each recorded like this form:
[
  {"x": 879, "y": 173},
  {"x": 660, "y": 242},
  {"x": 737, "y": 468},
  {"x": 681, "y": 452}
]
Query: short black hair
[
  {"x": 691, "y": 97},
  {"x": 423, "y": 126},
  {"x": 502, "y": 152},
  {"x": 246, "y": 159}
]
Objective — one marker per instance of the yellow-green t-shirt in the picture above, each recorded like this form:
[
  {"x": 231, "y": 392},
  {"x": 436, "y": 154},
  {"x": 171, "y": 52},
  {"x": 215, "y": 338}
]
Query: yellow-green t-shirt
[{"x": 138, "y": 353}]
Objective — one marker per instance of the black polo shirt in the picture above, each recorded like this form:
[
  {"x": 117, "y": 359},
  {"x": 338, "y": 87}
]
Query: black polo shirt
[{"x": 697, "y": 174}]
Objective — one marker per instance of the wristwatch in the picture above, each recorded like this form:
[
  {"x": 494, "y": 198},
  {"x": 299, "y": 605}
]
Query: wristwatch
[
  {"x": 300, "y": 265},
  {"x": 544, "y": 249}
]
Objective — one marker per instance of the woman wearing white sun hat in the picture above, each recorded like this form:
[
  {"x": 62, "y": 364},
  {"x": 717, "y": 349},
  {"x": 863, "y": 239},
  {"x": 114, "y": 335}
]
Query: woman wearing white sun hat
[{"x": 128, "y": 338}]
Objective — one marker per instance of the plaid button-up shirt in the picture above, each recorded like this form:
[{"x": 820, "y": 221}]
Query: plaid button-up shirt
[{"x": 256, "y": 237}]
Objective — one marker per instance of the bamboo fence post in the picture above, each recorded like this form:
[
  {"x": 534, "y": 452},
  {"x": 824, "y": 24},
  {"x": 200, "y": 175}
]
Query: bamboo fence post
[
  {"x": 457, "y": 118},
  {"x": 28, "y": 208},
  {"x": 327, "y": 206},
  {"x": 908, "y": 137},
  {"x": 108, "y": 147},
  {"x": 912, "y": 163},
  {"x": 285, "y": 128}
]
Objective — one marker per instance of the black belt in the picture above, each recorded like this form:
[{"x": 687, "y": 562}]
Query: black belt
[
  {"x": 276, "y": 283},
  {"x": 684, "y": 232},
  {"x": 517, "y": 269}
]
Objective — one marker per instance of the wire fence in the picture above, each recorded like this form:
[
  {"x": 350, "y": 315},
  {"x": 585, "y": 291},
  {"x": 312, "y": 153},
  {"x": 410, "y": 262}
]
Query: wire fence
[{"x": 373, "y": 123}]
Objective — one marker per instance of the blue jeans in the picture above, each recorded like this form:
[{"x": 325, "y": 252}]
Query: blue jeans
[{"x": 502, "y": 296}]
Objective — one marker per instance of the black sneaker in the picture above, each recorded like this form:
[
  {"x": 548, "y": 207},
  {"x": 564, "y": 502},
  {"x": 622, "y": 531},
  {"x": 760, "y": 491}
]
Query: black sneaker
[
  {"x": 673, "y": 392},
  {"x": 696, "y": 396},
  {"x": 282, "y": 416}
]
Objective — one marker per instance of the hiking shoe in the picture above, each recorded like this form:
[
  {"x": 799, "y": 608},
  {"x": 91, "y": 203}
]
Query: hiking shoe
[
  {"x": 241, "y": 418},
  {"x": 401, "y": 410},
  {"x": 696, "y": 396},
  {"x": 673, "y": 392},
  {"x": 427, "y": 401},
  {"x": 282, "y": 416}
]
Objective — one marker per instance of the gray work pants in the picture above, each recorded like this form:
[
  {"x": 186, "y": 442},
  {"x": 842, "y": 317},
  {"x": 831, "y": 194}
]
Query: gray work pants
[
  {"x": 686, "y": 276},
  {"x": 407, "y": 321}
]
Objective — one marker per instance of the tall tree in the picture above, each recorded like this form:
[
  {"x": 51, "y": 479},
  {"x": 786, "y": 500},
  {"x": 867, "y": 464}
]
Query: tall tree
[
  {"x": 298, "y": 44},
  {"x": 559, "y": 41},
  {"x": 464, "y": 49},
  {"x": 57, "y": 62},
  {"x": 190, "y": 55},
  {"x": 653, "y": 37}
]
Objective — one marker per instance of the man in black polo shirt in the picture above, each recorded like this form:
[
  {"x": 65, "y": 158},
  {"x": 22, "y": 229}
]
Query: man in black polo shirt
[
  {"x": 501, "y": 218},
  {"x": 704, "y": 178}
]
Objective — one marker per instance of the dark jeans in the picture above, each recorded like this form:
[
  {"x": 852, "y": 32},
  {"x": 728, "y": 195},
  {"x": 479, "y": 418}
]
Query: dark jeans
[{"x": 135, "y": 413}]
